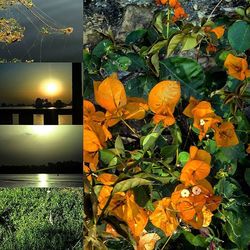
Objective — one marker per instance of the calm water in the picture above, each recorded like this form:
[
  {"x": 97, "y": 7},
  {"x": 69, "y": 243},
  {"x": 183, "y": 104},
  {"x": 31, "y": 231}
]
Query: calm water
[
  {"x": 53, "y": 47},
  {"x": 41, "y": 180}
]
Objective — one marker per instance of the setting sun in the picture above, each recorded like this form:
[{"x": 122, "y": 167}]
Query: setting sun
[{"x": 51, "y": 87}]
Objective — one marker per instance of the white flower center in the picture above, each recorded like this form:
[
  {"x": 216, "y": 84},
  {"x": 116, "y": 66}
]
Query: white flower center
[
  {"x": 202, "y": 122},
  {"x": 196, "y": 190},
  {"x": 185, "y": 193}
]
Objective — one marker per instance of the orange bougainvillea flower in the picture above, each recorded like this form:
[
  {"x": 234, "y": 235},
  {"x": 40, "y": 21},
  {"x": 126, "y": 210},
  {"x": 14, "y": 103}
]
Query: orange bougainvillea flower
[
  {"x": 110, "y": 94},
  {"x": 125, "y": 208},
  {"x": 192, "y": 104},
  {"x": 199, "y": 154},
  {"x": 192, "y": 203},
  {"x": 107, "y": 179},
  {"x": 197, "y": 168},
  {"x": 219, "y": 31},
  {"x": 237, "y": 67},
  {"x": 163, "y": 2},
  {"x": 91, "y": 142},
  {"x": 194, "y": 171},
  {"x": 179, "y": 13},
  {"x": 225, "y": 135},
  {"x": 163, "y": 216},
  {"x": 147, "y": 241},
  {"x": 204, "y": 118},
  {"x": 211, "y": 48},
  {"x": 162, "y": 100}
]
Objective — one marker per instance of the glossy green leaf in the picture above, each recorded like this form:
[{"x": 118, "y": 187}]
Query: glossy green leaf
[
  {"x": 155, "y": 62},
  {"x": 149, "y": 141},
  {"x": 174, "y": 42},
  {"x": 183, "y": 157},
  {"x": 195, "y": 240},
  {"x": 239, "y": 36},
  {"x": 102, "y": 48},
  {"x": 135, "y": 36},
  {"x": 187, "y": 71},
  {"x": 125, "y": 185}
]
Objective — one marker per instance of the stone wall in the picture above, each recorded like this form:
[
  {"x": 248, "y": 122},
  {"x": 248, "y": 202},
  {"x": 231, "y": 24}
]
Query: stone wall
[{"x": 123, "y": 16}]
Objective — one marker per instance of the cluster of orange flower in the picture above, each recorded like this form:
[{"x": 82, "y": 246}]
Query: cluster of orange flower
[
  {"x": 205, "y": 119},
  {"x": 179, "y": 12},
  {"x": 192, "y": 201}
]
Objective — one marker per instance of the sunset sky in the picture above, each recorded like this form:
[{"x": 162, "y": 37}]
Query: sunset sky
[
  {"x": 23, "y": 83},
  {"x": 22, "y": 144}
]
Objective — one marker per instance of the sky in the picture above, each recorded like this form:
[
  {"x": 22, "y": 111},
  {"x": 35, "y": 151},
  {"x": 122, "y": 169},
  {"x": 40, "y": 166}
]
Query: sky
[
  {"x": 23, "y": 83},
  {"x": 39, "y": 144}
]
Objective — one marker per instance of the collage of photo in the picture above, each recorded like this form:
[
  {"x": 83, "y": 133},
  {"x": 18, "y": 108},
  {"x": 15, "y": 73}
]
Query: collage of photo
[
  {"x": 124, "y": 124},
  {"x": 41, "y": 117}
]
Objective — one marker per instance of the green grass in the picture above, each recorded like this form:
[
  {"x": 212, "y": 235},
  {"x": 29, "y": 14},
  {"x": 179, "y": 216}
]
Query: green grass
[{"x": 34, "y": 218}]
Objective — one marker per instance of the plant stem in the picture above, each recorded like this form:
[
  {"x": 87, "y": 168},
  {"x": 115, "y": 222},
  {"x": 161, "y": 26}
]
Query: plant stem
[
  {"x": 168, "y": 24},
  {"x": 130, "y": 127},
  {"x": 217, "y": 5},
  {"x": 166, "y": 242}
]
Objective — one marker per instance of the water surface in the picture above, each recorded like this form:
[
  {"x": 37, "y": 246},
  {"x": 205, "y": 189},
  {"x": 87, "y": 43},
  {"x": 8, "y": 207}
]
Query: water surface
[
  {"x": 46, "y": 48},
  {"x": 41, "y": 180}
]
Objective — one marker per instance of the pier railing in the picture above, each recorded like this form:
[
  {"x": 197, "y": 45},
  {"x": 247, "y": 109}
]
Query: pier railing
[{"x": 26, "y": 116}]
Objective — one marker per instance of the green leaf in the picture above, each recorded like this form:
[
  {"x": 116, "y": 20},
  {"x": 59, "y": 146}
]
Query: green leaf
[
  {"x": 119, "y": 146},
  {"x": 158, "y": 22},
  {"x": 174, "y": 42},
  {"x": 229, "y": 154},
  {"x": 197, "y": 241},
  {"x": 187, "y": 71},
  {"x": 142, "y": 195},
  {"x": 125, "y": 185},
  {"x": 137, "y": 63},
  {"x": 237, "y": 227},
  {"x": 155, "y": 62},
  {"x": 169, "y": 151},
  {"x": 149, "y": 141},
  {"x": 183, "y": 157},
  {"x": 135, "y": 36},
  {"x": 239, "y": 36},
  {"x": 247, "y": 176},
  {"x": 226, "y": 188},
  {"x": 140, "y": 86},
  {"x": 123, "y": 63},
  {"x": 106, "y": 155},
  {"x": 102, "y": 48},
  {"x": 189, "y": 42},
  {"x": 158, "y": 46}
]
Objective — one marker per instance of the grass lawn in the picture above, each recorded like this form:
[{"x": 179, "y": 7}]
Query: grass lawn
[{"x": 40, "y": 218}]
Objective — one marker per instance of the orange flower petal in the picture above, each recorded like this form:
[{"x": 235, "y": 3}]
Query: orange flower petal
[
  {"x": 192, "y": 104},
  {"x": 91, "y": 143},
  {"x": 147, "y": 241},
  {"x": 219, "y": 31},
  {"x": 194, "y": 171},
  {"x": 110, "y": 93},
  {"x": 236, "y": 67},
  {"x": 107, "y": 179},
  {"x": 164, "y": 94},
  {"x": 163, "y": 217},
  {"x": 225, "y": 135},
  {"x": 199, "y": 154}
]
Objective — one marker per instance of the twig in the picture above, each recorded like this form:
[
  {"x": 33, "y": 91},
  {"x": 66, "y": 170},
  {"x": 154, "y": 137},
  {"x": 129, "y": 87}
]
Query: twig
[{"x": 217, "y": 5}]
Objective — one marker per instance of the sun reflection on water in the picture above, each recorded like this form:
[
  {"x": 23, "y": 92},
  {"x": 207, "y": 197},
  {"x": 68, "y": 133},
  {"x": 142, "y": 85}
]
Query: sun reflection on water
[{"x": 43, "y": 180}]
